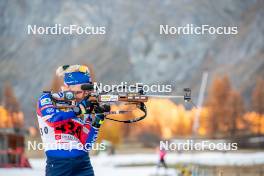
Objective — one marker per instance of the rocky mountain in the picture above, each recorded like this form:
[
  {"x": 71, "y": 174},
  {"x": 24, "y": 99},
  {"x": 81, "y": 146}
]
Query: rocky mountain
[{"x": 132, "y": 49}]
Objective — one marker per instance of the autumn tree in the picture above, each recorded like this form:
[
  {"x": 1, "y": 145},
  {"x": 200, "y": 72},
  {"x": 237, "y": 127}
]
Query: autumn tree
[
  {"x": 9, "y": 99},
  {"x": 218, "y": 94},
  {"x": 258, "y": 100},
  {"x": 112, "y": 132},
  {"x": 235, "y": 113},
  {"x": 5, "y": 120},
  {"x": 1, "y": 96},
  {"x": 258, "y": 97},
  {"x": 56, "y": 83},
  {"x": 226, "y": 108}
]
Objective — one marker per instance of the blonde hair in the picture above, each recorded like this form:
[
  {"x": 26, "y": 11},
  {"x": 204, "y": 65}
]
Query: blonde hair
[{"x": 71, "y": 68}]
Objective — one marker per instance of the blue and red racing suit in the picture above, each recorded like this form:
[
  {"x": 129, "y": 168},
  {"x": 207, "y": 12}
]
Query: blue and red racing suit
[{"x": 63, "y": 133}]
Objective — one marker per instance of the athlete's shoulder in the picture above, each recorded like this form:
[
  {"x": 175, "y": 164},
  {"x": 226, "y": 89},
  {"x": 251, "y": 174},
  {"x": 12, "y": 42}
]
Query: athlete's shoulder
[{"x": 45, "y": 99}]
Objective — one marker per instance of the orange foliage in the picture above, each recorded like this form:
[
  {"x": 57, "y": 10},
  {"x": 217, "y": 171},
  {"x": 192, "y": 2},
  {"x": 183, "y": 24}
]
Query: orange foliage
[
  {"x": 5, "y": 120},
  {"x": 204, "y": 121},
  {"x": 166, "y": 119},
  {"x": 10, "y": 119},
  {"x": 258, "y": 97},
  {"x": 112, "y": 131},
  {"x": 256, "y": 122},
  {"x": 226, "y": 108}
]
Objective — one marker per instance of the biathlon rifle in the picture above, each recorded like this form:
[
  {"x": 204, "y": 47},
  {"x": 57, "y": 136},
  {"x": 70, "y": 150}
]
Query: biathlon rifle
[{"x": 139, "y": 98}]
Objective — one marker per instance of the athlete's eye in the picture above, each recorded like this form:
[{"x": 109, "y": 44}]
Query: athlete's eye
[{"x": 86, "y": 92}]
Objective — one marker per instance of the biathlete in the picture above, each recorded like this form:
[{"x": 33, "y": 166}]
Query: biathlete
[{"x": 68, "y": 138}]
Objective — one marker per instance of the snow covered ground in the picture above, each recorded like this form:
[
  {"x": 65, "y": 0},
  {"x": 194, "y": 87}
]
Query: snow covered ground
[
  {"x": 206, "y": 158},
  {"x": 108, "y": 164}
]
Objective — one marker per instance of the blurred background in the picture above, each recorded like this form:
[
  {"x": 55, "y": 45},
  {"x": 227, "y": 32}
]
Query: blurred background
[{"x": 133, "y": 50}]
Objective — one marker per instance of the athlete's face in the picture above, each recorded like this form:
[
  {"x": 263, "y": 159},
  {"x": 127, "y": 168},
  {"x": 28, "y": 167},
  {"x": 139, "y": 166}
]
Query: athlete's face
[{"x": 79, "y": 93}]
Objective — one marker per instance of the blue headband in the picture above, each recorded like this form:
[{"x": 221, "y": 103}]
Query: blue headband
[{"x": 74, "y": 78}]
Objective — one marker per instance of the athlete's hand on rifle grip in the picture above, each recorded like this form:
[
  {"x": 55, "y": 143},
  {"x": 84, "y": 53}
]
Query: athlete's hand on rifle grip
[
  {"x": 81, "y": 108},
  {"x": 106, "y": 108},
  {"x": 99, "y": 116}
]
